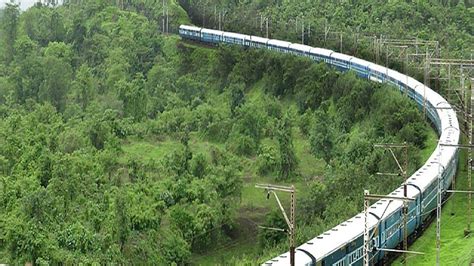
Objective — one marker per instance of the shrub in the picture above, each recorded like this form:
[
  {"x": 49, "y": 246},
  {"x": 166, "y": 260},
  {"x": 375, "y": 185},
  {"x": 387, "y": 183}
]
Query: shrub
[{"x": 267, "y": 159}]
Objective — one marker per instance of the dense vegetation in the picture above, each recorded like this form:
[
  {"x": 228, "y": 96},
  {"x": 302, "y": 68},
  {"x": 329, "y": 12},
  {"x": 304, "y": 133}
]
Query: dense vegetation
[
  {"x": 448, "y": 21},
  {"x": 451, "y": 22},
  {"x": 335, "y": 117},
  {"x": 351, "y": 27},
  {"x": 121, "y": 145}
]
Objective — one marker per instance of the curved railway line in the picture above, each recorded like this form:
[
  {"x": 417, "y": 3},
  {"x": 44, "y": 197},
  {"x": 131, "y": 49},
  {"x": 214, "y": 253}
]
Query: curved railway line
[{"x": 343, "y": 244}]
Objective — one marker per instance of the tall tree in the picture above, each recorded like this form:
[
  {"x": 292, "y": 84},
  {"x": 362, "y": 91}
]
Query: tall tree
[
  {"x": 134, "y": 97},
  {"x": 9, "y": 27},
  {"x": 288, "y": 160},
  {"x": 123, "y": 221},
  {"x": 56, "y": 82},
  {"x": 322, "y": 140},
  {"x": 237, "y": 97},
  {"x": 83, "y": 87}
]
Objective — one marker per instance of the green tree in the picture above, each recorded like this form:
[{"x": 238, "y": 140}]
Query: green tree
[
  {"x": 237, "y": 97},
  {"x": 270, "y": 238},
  {"x": 288, "y": 162},
  {"x": 199, "y": 166},
  {"x": 117, "y": 68},
  {"x": 83, "y": 87},
  {"x": 315, "y": 202},
  {"x": 174, "y": 249},
  {"x": 9, "y": 28},
  {"x": 322, "y": 138},
  {"x": 55, "y": 86},
  {"x": 122, "y": 219},
  {"x": 59, "y": 50},
  {"x": 134, "y": 98}
]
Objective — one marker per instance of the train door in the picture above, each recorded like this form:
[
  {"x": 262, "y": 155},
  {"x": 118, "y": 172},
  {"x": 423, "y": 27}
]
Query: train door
[{"x": 383, "y": 236}]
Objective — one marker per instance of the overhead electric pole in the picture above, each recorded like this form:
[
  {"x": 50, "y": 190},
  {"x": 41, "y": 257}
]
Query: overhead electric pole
[
  {"x": 367, "y": 236},
  {"x": 403, "y": 172},
  {"x": 291, "y": 222},
  {"x": 163, "y": 17},
  {"x": 302, "y": 32},
  {"x": 469, "y": 162},
  {"x": 167, "y": 21},
  {"x": 267, "y": 28}
]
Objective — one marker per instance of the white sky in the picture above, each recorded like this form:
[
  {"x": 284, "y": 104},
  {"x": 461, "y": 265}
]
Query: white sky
[{"x": 24, "y": 4}]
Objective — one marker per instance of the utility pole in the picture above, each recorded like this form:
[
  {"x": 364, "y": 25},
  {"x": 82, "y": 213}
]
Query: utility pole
[
  {"x": 302, "y": 32},
  {"x": 366, "y": 229},
  {"x": 219, "y": 20},
  {"x": 291, "y": 222},
  {"x": 406, "y": 70},
  {"x": 376, "y": 50},
  {"x": 367, "y": 236},
  {"x": 439, "y": 196},
  {"x": 469, "y": 162},
  {"x": 405, "y": 207},
  {"x": 203, "y": 15},
  {"x": 309, "y": 30},
  {"x": 438, "y": 212},
  {"x": 267, "y": 28},
  {"x": 167, "y": 21},
  {"x": 340, "y": 47},
  {"x": 426, "y": 80},
  {"x": 403, "y": 172},
  {"x": 326, "y": 32},
  {"x": 163, "y": 17},
  {"x": 215, "y": 16},
  {"x": 296, "y": 24}
]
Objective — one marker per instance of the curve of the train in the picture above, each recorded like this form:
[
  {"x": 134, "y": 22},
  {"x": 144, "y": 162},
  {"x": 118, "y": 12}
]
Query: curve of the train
[{"x": 343, "y": 244}]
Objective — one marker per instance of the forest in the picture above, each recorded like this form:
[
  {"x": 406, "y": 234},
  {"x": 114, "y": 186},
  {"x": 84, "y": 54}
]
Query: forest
[{"x": 123, "y": 145}]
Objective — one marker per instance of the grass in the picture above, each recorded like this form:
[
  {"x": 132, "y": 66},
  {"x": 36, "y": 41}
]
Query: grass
[
  {"x": 456, "y": 249},
  {"x": 255, "y": 206},
  {"x": 150, "y": 149},
  {"x": 147, "y": 150}
]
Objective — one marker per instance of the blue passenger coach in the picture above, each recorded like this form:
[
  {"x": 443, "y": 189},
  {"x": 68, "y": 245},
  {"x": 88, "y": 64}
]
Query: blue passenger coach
[
  {"x": 193, "y": 33},
  {"x": 211, "y": 36}
]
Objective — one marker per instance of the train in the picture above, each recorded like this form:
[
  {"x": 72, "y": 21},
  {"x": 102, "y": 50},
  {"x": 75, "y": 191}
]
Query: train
[{"x": 343, "y": 245}]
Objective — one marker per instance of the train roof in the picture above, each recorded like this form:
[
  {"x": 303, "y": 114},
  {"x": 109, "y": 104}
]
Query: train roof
[
  {"x": 361, "y": 62},
  {"x": 327, "y": 242},
  {"x": 279, "y": 43},
  {"x": 216, "y": 32},
  {"x": 341, "y": 56},
  {"x": 236, "y": 35},
  {"x": 321, "y": 51},
  {"x": 186, "y": 27},
  {"x": 259, "y": 39},
  {"x": 300, "y": 47},
  {"x": 378, "y": 68},
  {"x": 397, "y": 75}
]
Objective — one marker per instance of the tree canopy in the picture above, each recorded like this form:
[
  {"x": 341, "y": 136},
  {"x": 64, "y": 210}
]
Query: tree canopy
[{"x": 122, "y": 145}]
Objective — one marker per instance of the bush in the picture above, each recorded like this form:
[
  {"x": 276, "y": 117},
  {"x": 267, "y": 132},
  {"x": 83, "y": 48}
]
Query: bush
[
  {"x": 267, "y": 159},
  {"x": 270, "y": 238},
  {"x": 199, "y": 166},
  {"x": 241, "y": 144},
  {"x": 174, "y": 249}
]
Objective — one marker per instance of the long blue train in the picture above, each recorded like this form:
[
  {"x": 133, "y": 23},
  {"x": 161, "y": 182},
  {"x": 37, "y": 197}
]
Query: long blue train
[{"x": 343, "y": 244}]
